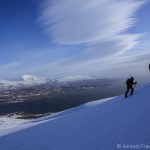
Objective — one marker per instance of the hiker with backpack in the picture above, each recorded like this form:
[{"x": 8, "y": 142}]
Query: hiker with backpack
[{"x": 130, "y": 82}]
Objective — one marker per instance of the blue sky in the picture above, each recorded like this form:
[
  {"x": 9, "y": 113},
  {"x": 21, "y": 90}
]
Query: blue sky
[{"x": 84, "y": 37}]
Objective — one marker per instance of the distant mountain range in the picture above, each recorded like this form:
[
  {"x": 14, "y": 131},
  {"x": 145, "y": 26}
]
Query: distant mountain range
[
  {"x": 75, "y": 78},
  {"x": 32, "y": 80},
  {"x": 26, "y": 81}
]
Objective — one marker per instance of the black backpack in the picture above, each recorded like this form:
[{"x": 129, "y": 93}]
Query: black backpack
[{"x": 128, "y": 82}]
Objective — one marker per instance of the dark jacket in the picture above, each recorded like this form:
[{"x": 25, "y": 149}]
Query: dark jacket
[{"x": 130, "y": 82}]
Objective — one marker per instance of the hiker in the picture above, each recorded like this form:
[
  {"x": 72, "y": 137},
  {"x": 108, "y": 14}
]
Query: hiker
[{"x": 130, "y": 82}]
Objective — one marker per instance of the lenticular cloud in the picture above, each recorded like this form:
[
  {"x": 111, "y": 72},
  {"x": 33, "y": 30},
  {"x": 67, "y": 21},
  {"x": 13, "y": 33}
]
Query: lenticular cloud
[{"x": 91, "y": 22}]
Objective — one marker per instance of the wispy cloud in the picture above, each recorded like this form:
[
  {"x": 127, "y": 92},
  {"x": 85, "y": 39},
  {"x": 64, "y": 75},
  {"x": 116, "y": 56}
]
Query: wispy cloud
[
  {"x": 99, "y": 24},
  {"x": 112, "y": 67},
  {"x": 88, "y": 36}
]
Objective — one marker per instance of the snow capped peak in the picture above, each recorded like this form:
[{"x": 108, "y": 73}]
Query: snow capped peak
[{"x": 75, "y": 78}]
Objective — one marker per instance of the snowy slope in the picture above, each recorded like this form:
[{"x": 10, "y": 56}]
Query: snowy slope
[
  {"x": 11, "y": 124},
  {"x": 99, "y": 125}
]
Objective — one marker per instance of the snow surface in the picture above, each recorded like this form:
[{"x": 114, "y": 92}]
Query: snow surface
[
  {"x": 11, "y": 124},
  {"x": 99, "y": 125}
]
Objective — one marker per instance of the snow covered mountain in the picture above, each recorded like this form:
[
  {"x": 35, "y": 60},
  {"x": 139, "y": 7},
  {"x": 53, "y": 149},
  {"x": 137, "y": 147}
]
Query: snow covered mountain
[
  {"x": 75, "y": 78},
  {"x": 109, "y": 124},
  {"x": 26, "y": 81},
  {"x": 32, "y": 80}
]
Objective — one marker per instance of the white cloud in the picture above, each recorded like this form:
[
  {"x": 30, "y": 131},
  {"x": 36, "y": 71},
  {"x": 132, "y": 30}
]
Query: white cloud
[
  {"x": 100, "y": 24},
  {"x": 27, "y": 81},
  {"x": 93, "y": 28},
  {"x": 75, "y": 78},
  {"x": 104, "y": 67},
  {"x": 32, "y": 79},
  {"x": 115, "y": 46}
]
